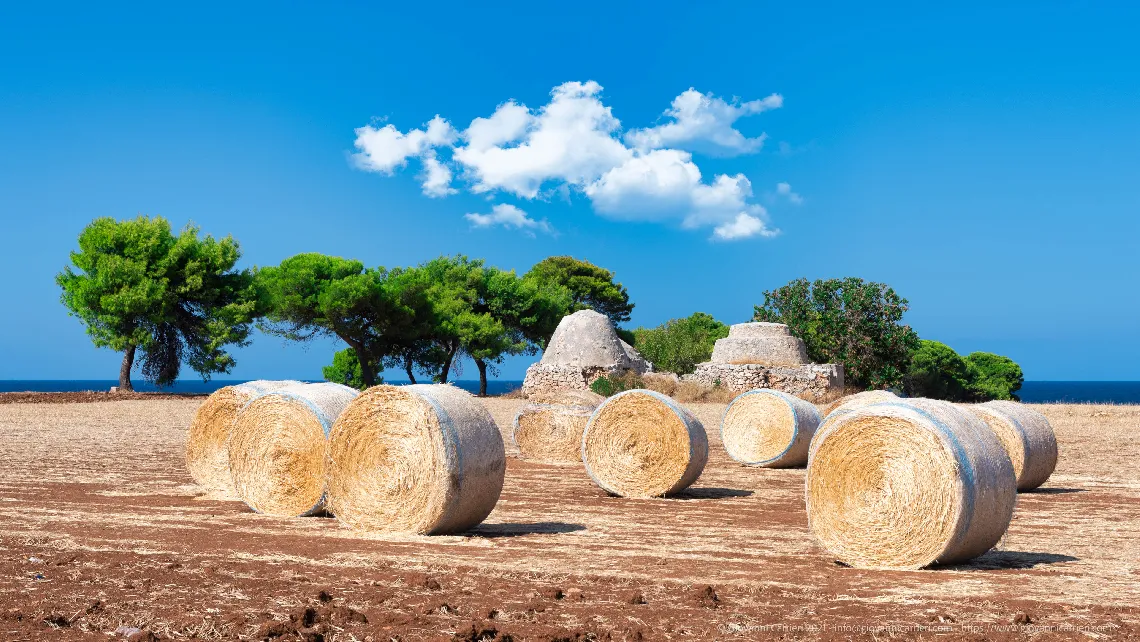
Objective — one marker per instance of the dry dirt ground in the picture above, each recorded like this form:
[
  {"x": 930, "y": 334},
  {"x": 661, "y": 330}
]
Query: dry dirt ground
[{"x": 102, "y": 530}]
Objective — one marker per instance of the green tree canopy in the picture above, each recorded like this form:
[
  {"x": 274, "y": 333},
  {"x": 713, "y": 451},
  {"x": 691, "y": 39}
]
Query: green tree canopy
[
  {"x": 679, "y": 345},
  {"x": 937, "y": 372},
  {"x": 590, "y": 286},
  {"x": 310, "y": 295},
  {"x": 517, "y": 316},
  {"x": 137, "y": 286},
  {"x": 848, "y": 321},
  {"x": 994, "y": 376}
]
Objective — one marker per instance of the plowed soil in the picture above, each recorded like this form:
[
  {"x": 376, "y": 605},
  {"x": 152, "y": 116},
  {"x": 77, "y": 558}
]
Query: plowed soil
[{"x": 104, "y": 536}]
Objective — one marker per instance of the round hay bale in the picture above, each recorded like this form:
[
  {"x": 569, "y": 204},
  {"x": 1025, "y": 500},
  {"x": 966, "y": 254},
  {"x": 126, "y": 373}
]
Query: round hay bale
[
  {"x": 277, "y": 448},
  {"x": 768, "y": 428},
  {"x": 640, "y": 443},
  {"x": 908, "y": 484},
  {"x": 206, "y": 457},
  {"x": 549, "y": 428},
  {"x": 425, "y": 459},
  {"x": 858, "y": 400},
  {"x": 1027, "y": 437}
]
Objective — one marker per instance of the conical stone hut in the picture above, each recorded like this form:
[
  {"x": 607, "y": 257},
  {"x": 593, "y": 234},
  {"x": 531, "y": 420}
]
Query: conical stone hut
[
  {"x": 766, "y": 355},
  {"x": 583, "y": 348}
]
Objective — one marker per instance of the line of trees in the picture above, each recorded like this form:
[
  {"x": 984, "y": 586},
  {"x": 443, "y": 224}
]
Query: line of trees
[
  {"x": 179, "y": 298},
  {"x": 166, "y": 299}
]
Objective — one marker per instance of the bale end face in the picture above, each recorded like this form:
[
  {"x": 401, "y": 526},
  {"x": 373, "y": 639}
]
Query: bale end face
[
  {"x": 277, "y": 456},
  {"x": 641, "y": 443},
  {"x": 768, "y": 428},
  {"x": 422, "y": 459}
]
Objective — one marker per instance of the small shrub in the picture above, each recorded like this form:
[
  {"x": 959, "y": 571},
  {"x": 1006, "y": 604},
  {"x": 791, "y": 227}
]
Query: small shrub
[
  {"x": 994, "y": 376},
  {"x": 679, "y": 345},
  {"x": 345, "y": 369},
  {"x": 936, "y": 371},
  {"x": 610, "y": 385}
]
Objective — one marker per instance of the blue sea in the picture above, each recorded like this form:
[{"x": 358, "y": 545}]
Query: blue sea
[
  {"x": 1031, "y": 392},
  {"x": 195, "y": 386}
]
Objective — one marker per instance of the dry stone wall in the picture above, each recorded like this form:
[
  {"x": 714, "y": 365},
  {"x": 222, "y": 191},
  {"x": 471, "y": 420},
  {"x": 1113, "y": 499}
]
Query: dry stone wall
[{"x": 811, "y": 380}]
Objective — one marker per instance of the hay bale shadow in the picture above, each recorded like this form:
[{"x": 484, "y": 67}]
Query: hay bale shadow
[
  {"x": 995, "y": 560},
  {"x": 1053, "y": 491},
  {"x": 711, "y": 493},
  {"x": 494, "y": 531}
]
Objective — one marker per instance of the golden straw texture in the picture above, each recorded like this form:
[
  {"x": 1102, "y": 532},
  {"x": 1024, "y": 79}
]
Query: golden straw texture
[
  {"x": 277, "y": 448},
  {"x": 857, "y": 400},
  {"x": 425, "y": 459},
  {"x": 549, "y": 428},
  {"x": 206, "y": 457},
  {"x": 1027, "y": 437},
  {"x": 908, "y": 484},
  {"x": 769, "y": 428},
  {"x": 640, "y": 443}
]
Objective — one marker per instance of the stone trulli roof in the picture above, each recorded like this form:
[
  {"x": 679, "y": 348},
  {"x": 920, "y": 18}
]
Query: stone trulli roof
[
  {"x": 760, "y": 342},
  {"x": 585, "y": 339}
]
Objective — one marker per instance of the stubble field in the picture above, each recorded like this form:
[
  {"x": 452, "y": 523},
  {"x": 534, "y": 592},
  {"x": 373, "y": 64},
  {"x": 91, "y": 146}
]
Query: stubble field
[{"x": 102, "y": 528}]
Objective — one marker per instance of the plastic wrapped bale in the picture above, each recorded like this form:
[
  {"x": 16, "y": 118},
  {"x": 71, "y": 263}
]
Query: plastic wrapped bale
[
  {"x": 549, "y": 427},
  {"x": 206, "y": 457},
  {"x": 768, "y": 428},
  {"x": 640, "y": 443},
  {"x": 278, "y": 448},
  {"x": 907, "y": 485},
  {"x": 1027, "y": 437},
  {"x": 424, "y": 459},
  {"x": 858, "y": 400}
]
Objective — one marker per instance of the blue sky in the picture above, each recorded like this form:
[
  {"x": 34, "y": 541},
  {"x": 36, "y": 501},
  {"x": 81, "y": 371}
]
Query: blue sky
[{"x": 983, "y": 161}]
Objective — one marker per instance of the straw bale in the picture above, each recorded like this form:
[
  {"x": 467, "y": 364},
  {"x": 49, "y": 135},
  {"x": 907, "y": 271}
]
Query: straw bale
[
  {"x": 1027, "y": 437},
  {"x": 206, "y": 457},
  {"x": 907, "y": 484},
  {"x": 768, "y": 428},
  {"x": 277, "y": 448},
  {"x": 858, "y": 400},
  {"x": 640, "y": 443},
  {"x": 549, "y": 428},
  {"x": 425, "y": 459}
]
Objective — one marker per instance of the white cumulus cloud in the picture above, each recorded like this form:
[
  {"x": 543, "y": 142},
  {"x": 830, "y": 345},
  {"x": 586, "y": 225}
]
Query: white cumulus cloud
[
  {"x": 568, "y": 141},
  {"x": 509, "y": 216},
  {"x": 436, "y": 177},
  {"x": 704, "y": 123},
  {"x": 743, "y": 226},
  {"x": 385, "y": 149},
  {"x": 573, "y": 144},
  {"x": 785, "y": 190}
]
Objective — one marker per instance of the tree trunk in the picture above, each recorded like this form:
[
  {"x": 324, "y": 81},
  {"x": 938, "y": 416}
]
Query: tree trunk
[
  {"x": 447, "y": 364},
  {"x": 482, "y": 366},
  {"x": 125, "y": 370},
  {"x": 367, "y": 375},
  {"x": 408, "y": 367}
]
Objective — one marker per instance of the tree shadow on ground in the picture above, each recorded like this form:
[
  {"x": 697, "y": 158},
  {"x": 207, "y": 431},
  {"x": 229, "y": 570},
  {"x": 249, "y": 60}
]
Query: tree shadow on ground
[
  {"x": 494, "y": 531},
  {"x": 1054, "y": 491},
  {"x": 994, "y": 560},
  {"x": 711, "y": 493}
]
